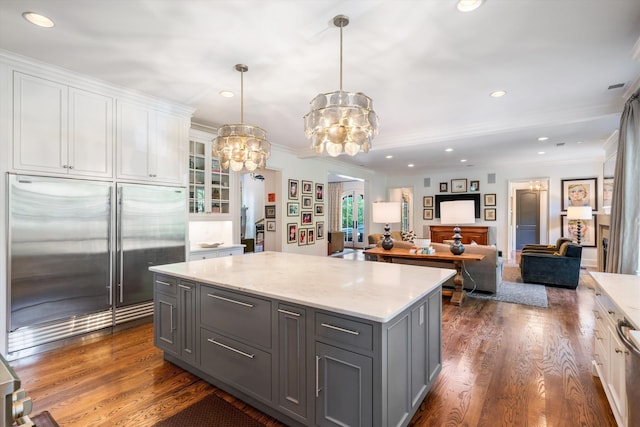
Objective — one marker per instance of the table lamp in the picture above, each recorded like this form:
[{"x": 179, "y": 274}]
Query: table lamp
[
  {"x": 455, "y": 213},
  {"x": 579, "y": 214},
  {"x": 386, "y": 213}
]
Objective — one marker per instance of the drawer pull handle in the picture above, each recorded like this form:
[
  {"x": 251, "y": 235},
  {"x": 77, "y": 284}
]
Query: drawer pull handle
[
  {"x": 185, "y": 287},
  {"x": 160, "y": 282},
  {"x": 235, "y": 350},
  {"x": 337, "y": 328},
  {"x": 611, "y": 312},
  {"x": 231, "y": 300},
  {"x": 291, "y": 313}
]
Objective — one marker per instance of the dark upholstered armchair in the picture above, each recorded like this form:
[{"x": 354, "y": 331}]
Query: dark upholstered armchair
[
  {"x": 560, "y": 268},
  {"x": 548, "y": 249}
]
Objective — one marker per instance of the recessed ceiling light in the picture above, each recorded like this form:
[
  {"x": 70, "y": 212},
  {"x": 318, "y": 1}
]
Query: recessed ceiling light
[
  {"x": 226, "y": 93},
  {"x": 498, "y": 94},
  {"x": 410, "y": 165},
  {"x": 388, "y": 157},
  {"x": 463, "y": 160},
  {"x": 578, "y": 142},
  {"x": 541, "y": 152},
  {"x": 37, "y": 19},
  {"x": 543, "y": 138},
  {"x": 448, "y": 150},
  {"x": 468, "y": 5}
]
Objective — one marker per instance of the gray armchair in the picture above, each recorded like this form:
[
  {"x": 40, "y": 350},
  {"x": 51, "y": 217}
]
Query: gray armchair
[{"x": 560, "y": 269}]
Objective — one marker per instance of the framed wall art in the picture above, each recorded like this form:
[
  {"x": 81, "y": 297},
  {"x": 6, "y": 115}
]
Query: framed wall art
[
  {"x": 307, "y": 187},
  {"x": 292, "y": 233},
  {"x": 443, "y": 187},
  {"x": 319, "y": 192},
  {"x": 302, "y": 237},
  {"x": 307, "y": 217},
  {"x": 271, "y": 226},
  {"x": 307, "y": 202},
  {"x": 490, "y": 214},
  {"x": 474, "y": 186},
  {"x": 427, "y": 201},
  {"x": 588, "y": 230},
  {"x": 319, "y": 209},
  {"x": 320, "y": 230},
  {"x": 459, "y": 185},
  {"x": 490, "y": 199},
  {"x": 580, "y": 192},
  {"x": 293, "y": 189},
  {"x": 427, "y": 214},
  {"x": 311, "y": 236},
  {"x": 607, "y": 192},
  {"x": 293, "y": 209},
  {"x": 270, "y": 211}
]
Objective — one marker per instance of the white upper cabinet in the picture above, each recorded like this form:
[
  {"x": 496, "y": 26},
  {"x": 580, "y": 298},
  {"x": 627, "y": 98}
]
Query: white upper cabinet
[
  {"x": 61, "y": 129},
  {"x": 152, "y": 145}
]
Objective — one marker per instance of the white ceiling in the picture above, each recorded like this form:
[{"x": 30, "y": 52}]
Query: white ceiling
[{"x": 428, "y": 68}]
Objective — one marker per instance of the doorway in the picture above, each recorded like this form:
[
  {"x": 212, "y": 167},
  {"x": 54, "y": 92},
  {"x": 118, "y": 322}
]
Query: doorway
[
  {"x": 528, "y": 215},
  {"x": 352, "y": 218}
]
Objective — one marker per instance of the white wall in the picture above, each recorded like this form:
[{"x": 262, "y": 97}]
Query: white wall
[{"x": 555, "y": 172}]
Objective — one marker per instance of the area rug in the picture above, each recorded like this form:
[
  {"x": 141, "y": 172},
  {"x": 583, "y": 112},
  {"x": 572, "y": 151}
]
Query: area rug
[
  {"x": 44, "y": 419},
  {"x": 517, "y": 293},
  {"x": 212, "y": 411}
]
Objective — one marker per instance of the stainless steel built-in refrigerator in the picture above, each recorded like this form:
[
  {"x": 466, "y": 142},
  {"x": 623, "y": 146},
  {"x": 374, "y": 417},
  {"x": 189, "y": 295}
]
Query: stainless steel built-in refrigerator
[{"x": 80, "y": 253}]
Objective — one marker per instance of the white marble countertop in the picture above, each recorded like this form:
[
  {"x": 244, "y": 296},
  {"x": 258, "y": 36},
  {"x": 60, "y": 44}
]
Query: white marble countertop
[
  {"x": 219, "y": 248},
  {"x": 624, "y": 291},
  {"x": 369, "y": 290}
]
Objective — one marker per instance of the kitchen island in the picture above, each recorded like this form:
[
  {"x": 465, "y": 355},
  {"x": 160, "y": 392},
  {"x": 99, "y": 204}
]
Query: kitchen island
[{"x": 309, "y": 340}]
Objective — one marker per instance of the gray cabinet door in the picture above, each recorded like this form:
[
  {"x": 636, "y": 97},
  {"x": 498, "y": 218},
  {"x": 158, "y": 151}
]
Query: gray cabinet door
[
  {"x": 187, "y": 320},
  {"x": 434, "y": 326},
  {"x": 292, "y": 384},
  {"x": 419, "y": 353},
  {"x": 344, "y": 387},
  {"x": 165, "y": 323}
]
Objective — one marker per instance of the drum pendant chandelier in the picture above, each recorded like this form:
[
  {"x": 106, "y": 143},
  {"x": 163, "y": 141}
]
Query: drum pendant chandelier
[
  {"x": 341, "y": 121},
  {"x": 242, "y": 146}
]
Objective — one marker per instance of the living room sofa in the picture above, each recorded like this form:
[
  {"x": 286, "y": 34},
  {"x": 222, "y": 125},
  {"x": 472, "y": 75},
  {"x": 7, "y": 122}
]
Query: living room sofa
[{"x": 483, "y": 276}]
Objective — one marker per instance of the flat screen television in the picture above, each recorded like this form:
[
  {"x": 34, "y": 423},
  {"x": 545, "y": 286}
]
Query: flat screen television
[{"x": 451, "y": 197}]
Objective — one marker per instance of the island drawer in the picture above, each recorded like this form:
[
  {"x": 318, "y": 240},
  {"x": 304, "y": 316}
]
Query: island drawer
[
  {"x": 346, "y": 331},
  {"x": 165, "y": 284},
  {"x": 240, "y": 365},
  {"x": 241, "y": 316}
]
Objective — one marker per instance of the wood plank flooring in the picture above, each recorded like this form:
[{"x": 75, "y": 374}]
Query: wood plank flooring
[{"x": 503, "y": 365}]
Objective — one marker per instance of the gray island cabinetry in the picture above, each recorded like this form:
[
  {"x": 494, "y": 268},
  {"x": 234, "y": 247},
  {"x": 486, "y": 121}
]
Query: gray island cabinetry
[{"x": 309, "y": 340}]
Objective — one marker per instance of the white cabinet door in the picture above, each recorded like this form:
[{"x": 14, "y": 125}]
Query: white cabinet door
[
  {"x": 151, "y": 144},
  {"x": 61, "y": 129},
  {"x": 133, "y": 141},
  {"x": 169, "y": 155},
  {"x": 90, "y": 133},
  {"x": 39, "y": 124}
]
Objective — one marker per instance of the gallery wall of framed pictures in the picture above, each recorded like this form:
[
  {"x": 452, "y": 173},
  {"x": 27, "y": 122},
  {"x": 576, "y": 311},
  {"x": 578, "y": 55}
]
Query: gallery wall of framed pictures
[
  {"x": 305, "y": 208},
  {"x": 465, "y": 188}
]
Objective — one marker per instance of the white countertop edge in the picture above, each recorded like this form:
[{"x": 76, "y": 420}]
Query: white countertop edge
[{"x": 219, "y": 248}]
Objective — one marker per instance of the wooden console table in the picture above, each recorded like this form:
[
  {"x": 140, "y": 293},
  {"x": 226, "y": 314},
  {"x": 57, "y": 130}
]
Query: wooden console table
[
  {"x": 478, "y": 234},
  {"x": 457, "y": 260}
]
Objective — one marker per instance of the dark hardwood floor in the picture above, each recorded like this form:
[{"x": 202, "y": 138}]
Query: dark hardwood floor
[{"x": 503, "y": 365}]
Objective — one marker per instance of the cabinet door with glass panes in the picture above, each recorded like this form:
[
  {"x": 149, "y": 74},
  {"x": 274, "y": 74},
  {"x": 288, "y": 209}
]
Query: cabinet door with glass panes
[{"x": 209, "y": 185}]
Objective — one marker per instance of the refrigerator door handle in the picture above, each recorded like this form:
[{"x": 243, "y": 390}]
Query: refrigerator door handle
[
  {"x": 627, "y": 342},
  {"x": 119, "y": 243},
  {"x": 110, "y": 247}
]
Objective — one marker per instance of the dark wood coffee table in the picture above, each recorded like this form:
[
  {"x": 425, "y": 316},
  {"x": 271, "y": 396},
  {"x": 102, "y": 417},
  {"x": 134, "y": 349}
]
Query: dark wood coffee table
[{"x": 457, "y": 260}]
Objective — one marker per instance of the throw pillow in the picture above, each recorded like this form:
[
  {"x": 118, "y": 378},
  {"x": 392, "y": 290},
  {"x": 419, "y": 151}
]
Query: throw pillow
[{"x": 408, "y": 236}]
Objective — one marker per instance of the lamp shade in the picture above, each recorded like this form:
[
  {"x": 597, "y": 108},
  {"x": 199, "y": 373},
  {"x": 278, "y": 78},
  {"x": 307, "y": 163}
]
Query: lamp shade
[
  {"x": 579, "y": 212},
  {"x": 457, "y": 212},
  {"x": 385, "y": 212}
]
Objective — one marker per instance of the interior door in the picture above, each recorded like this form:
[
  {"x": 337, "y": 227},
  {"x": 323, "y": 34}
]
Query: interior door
[
  {"x": 352, "y": 219},
  {"x": 527, "y": 217}
]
